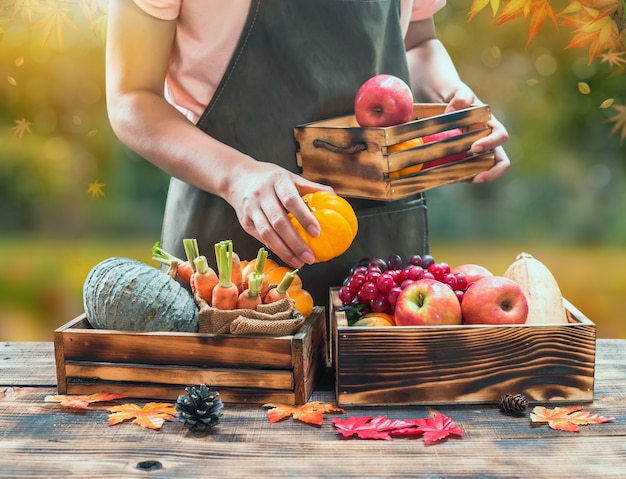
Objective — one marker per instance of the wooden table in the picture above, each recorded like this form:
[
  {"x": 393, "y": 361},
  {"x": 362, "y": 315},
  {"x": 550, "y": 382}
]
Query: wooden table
[{"x": 41, "y": 439}]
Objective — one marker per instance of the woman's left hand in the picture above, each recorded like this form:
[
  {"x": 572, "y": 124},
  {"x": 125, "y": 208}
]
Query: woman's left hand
[{"x": 464, "y": 98}]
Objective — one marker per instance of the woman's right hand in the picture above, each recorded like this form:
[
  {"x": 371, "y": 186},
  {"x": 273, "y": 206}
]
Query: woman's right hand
[{"x": 262, "y": 198}]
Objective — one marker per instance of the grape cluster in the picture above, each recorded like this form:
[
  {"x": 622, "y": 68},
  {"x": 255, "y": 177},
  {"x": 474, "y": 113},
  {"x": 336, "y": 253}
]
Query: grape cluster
[{"x": 375, "y": 284}]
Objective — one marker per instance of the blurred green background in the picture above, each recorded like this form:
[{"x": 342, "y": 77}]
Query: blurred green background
[{"x": 562, "y": 201}]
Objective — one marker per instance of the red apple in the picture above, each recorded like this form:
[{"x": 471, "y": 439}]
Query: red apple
[
  {"x": 445, "y": 159},
  {"x": 427, "y": 302},
  {"x": 383, "y": 100},
  {"x": 472, "y": 272},
  {"x": 494, "y": 300}
]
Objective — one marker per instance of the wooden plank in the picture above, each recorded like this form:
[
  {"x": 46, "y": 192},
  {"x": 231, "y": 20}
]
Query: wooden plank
[{"x": 253, "y": 378}]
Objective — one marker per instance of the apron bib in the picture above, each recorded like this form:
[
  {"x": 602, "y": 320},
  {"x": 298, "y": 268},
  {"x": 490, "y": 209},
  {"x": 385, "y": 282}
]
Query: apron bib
[{"x": 299, "y": 61}]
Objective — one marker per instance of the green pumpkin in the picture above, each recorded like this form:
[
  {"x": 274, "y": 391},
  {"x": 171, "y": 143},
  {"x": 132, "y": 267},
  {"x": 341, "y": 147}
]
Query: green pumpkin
[{"x": 125, "y": 294}]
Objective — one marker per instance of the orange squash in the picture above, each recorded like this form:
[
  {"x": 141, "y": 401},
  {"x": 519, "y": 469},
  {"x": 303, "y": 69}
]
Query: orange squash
[
  {"x": 303, "y": 301},
  {"x": 275, "y": 276},
  {"x": 338, "y": 225}
]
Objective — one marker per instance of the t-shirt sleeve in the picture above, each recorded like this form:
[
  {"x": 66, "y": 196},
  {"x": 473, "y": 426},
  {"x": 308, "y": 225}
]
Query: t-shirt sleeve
[
  {"x": 161, "y": 9},
  {"x": 426, "y": 8}
]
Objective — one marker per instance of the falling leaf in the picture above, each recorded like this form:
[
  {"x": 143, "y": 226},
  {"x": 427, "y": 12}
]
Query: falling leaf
[
  {"x": 532, "y": 82},
  {"x": 152, "y": 416},
  {"x": 606, "y": 103},
  {"x": 19, "y": 61},
  {"x": 82, "y": 402},
  {"x": 92, "y": 132},
  {"x": 566, "y": 418},
  {"x": 95, "y": 189},
  {"x": 614, "y": 59},
  {"x": 22, "y": 126},
  {"x": 619, "y": 120},
  {"x": 310, "y": 413},
  {"x": 538, "y": 10},
  {"x": 370, "y": 427},
  {"x": 11, "y": 80},
  {"x": 584, "y": 88}
]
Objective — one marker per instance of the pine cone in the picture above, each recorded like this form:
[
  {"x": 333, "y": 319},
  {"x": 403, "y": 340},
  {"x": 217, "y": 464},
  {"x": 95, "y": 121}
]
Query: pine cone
[
  {"x": 516, "y": 404},
  {"x": 199, "y": 409}
]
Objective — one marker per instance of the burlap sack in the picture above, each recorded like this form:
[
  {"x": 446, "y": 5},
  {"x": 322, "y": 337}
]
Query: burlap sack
[{"x": 275, "y": 319}]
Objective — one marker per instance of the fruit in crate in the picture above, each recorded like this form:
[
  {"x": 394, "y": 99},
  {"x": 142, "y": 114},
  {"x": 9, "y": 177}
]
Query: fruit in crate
[
  {"x": 338, "y": 225},
  {"x": 494, "y": 300},
  {"x": 472, "y": 272},
  {"x": 427, "y": 302},
  {"x": 376, "y": 320},
  {"x": 545, "y": 301},
  {"x": 383, "y": 100},
  {"x": 374, "y": 284}
]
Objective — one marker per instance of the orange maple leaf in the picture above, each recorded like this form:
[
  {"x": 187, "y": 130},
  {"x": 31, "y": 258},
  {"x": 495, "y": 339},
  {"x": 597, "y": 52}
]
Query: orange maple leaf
[
  {"x": 538, "y": 10},
  {"x": 619, "y": 120},
  {"x": 595, "y": 28},
  {"x": 83, "y": 401},
  {"x": 152, "y": 416},
  {"x": 479, "y": 5},
  {"x": 566, "y": 418},
  {"x": 310, "y": 413}
]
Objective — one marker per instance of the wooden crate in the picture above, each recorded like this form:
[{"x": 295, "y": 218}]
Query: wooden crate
[
  {"x": 158, "y": 365},
  {"x": 402, "y": 365},
  {"x": 356, "y": 163}
]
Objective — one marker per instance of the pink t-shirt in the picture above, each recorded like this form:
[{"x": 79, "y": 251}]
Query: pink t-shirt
[{"x": 207, "y": 33}]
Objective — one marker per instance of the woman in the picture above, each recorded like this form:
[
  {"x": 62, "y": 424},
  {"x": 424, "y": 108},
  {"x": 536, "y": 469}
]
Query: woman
[{"x": 210, "y": 92}]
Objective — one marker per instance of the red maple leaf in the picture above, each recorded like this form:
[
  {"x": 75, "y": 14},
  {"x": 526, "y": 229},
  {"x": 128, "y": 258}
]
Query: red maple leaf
[{"x": 379, "y": 427}]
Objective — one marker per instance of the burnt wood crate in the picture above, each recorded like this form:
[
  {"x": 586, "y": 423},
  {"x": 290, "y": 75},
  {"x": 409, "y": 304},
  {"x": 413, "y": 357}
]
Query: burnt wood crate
[
  {"x": 356, "y": 162},
  {"x": 402, "y": 365},
  {"x": 159, "y": 365}
]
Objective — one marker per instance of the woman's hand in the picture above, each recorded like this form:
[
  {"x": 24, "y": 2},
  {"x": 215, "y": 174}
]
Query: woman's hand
[
  {"x": 262, "y": 197},
  {"x": 464, "y": 98}
]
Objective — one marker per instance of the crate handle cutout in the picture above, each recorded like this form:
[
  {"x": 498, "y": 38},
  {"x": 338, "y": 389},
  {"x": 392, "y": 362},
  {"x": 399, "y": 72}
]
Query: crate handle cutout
[{"x": 341, "y": 150}]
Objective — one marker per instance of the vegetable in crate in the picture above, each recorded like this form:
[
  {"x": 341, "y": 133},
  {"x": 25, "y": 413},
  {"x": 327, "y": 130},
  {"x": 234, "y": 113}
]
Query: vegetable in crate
[
  {"x": 338, "y": 225},
  {"x": 125, "y": 294},
  {"x": 545, "y": 301}
]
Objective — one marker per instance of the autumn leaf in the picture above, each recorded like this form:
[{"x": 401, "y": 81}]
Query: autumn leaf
[
  {"x": 370, "y": 427},
  {"x": 566, "y": 418},
  {"x": 437, "y": 428},
  {"x": 152, "y": 416},
  {"x": 95, "y": 189},
  {"x": 82, "y": 401},
  {"x": 538, "y": 10},
  {"x": 22, "y": 126},
  {"x": 619, "y": 120},
  {"x": 479, "y": 5},
  {"x": 310, "y": 413},
  {"x": 584, "y": 88},
  {"x": 55, "y": 19}
]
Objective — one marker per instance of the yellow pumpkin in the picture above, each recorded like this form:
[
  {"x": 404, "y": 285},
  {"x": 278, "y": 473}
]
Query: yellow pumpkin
[{"x": 338, "y": 225}]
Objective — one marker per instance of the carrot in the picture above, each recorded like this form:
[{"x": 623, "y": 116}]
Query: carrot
[
  {"x": 203, "y": 280},
  {"x": 184, "y": 269},
  {"x": 280, "y": 291},
  {"x": 250, "y": 298},
  {"x": 237, "y": 275},
  {"x": 225, "y": 293}
]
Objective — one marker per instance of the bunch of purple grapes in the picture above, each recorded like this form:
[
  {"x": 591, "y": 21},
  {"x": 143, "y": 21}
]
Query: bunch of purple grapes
[{"x": 375, "y": 284}]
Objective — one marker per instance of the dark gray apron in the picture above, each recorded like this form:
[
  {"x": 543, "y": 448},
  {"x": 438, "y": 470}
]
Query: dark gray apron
[{"x": 299, "y": 61}]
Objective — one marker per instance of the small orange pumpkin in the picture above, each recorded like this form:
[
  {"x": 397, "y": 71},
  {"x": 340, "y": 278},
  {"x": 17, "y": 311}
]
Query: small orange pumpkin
[
  {"x": 338, "y": 225},
  {"x": 303, "y": 301}
]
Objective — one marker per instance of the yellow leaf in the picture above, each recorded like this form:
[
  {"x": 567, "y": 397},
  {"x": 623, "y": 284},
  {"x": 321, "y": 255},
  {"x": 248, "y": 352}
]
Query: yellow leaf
[
  {"x": 95, "y": 189},
  {"x": 11, "y": 81},
  {"x": 584, "y": 88},
  {"x": 22, "y": 126},
  {"x": 532, "y": 82},
  {"x": 19, "y": 61},
  {"x": 606, "y": 103}
]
